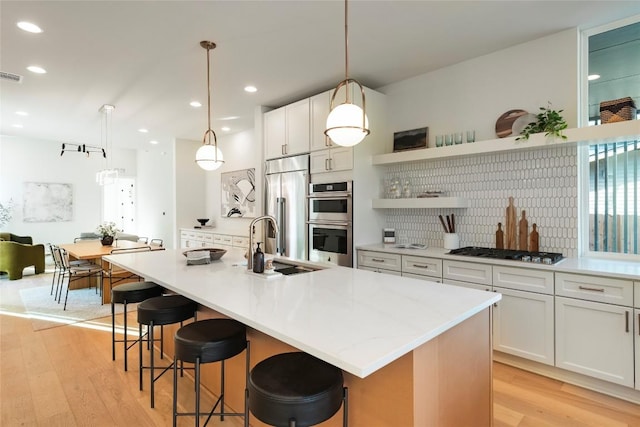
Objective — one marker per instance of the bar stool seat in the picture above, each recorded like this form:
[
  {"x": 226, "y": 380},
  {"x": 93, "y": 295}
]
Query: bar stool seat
[
  {"x": 296, "y": 389},
  {"x": 160, "y": 311},
  {"x": 129, "y": 293},
  {"x": 207, "y": 341}
]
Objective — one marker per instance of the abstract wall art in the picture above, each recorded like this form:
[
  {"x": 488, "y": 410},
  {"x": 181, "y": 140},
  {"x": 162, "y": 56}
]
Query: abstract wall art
[
  {"x": 239, "y": 194},
  {"x": 47, "y": 202}
]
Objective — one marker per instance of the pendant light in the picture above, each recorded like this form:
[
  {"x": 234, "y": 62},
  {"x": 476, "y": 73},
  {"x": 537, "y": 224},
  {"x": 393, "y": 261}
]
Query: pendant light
[
  {"x": 209, "y": 157},
  {"x": 108, "y": 175},
  {"x": 347, "y": 123}
]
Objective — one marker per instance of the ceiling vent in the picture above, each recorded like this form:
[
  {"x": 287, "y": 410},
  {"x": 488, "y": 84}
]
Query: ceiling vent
[{"x": 11, "y": 77}]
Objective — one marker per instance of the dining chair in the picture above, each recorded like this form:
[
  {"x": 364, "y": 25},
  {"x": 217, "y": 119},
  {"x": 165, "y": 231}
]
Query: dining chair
[{"x": 73, "y": 273}]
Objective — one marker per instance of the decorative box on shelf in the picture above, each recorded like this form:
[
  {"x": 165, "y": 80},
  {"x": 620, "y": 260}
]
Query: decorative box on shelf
[{"x": 618, "y": 110}]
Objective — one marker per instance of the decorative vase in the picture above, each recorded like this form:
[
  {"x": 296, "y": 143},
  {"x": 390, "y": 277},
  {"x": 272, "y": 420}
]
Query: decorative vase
[{"x": 107, "y": 240}]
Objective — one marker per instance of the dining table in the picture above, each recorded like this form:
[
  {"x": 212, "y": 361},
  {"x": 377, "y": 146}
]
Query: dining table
[{"x": 94, "y": 250}]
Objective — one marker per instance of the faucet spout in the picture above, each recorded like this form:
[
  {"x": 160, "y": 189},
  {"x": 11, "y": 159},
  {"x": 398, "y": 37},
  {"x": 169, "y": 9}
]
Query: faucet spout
[{"x": 256, "y": 220}]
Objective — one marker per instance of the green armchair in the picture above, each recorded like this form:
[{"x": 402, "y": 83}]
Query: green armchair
[
  {"x": 14, "y": 257},
  {"x": 27, "y": 240}
]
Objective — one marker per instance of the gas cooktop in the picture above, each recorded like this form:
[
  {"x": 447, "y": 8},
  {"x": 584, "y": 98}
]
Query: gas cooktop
[{"x": 513, "y": 254}]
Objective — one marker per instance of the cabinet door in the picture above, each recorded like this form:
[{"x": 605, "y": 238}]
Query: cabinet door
[
  {"x": 274, "y": 133},
  {"x": 382, "y": 260},
  {"x": 523, "y": 325},
  {"x": 297, "y": 120},
  {"x": 595, "y": 339},
  {"x": 319, "y": 106},
  {"x": 467, "y": 272},
  {"x": 636, "y": 329},
  {"x": 341, "y": 159},
  {"x": 467, "y": 285},
  {"x": 319, "y": 161},
  {"x": 421, "y": 277}
]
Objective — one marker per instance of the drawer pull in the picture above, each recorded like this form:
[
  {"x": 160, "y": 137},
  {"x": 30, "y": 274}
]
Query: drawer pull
[
  {"x": 587, "y": 288},
  {"x": 420, "y": 266},
  {"x": 626, "y": 321},
  {"x": 377, "y": 260}
]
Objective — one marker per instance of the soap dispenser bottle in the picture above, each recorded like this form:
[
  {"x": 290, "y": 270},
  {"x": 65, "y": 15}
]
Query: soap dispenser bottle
[{"x": 258, "y": 260}]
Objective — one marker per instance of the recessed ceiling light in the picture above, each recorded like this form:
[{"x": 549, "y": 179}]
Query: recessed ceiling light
[
  {"x": 28, "y": 26},
  {"x": 154, "y": 142},
  {"x": 229, "y": 118},
  {"x": 143, "y": 130},
  {"x": 17, "y": 125},
  {"x": 226, "y": 128},
  {"x": 250, "y": 89},
  {"x": 36, "y": 69},
  {"x": 22, "y": 113},
  {"x": 593, "y": 77},
  {"x": 195, "y": 104}
]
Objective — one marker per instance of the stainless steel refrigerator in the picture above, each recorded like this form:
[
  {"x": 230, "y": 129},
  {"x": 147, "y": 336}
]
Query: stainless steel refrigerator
[{"x": 287, "y": 183}]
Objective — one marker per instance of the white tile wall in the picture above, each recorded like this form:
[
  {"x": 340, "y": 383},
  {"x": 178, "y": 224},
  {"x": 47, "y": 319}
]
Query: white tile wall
[{"x": 542, "y": 182}]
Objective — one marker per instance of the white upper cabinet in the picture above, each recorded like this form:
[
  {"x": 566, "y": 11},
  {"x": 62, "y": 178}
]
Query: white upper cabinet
[
  {"x": 286, "y": 130},
  {"x": 319, "y": 105}
]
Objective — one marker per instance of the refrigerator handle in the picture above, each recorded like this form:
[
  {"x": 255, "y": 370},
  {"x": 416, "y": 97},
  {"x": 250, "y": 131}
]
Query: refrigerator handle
[{"x": 282, "y": 224}]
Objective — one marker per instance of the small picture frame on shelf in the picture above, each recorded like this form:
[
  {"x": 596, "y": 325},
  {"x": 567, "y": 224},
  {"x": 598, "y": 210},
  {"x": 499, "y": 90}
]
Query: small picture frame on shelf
[{"x": 414, "y": 139}]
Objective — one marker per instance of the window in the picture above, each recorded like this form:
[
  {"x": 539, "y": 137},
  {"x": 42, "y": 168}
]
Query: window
[{"x": 613, "y": 168}]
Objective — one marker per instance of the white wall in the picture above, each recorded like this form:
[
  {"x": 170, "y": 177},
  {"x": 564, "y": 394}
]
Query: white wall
[
  {"x": 241, "y": 151},
  {"x": 31, "y": 160},
  {"x": 190, "y": 185},
  {"x": 156, "y": 195},
  {"x": 474, "y": 93}
]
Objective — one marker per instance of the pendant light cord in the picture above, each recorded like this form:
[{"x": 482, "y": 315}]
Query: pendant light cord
[
  {"x": 346, "y": 48},
  {"x": 208, "y": 89}
]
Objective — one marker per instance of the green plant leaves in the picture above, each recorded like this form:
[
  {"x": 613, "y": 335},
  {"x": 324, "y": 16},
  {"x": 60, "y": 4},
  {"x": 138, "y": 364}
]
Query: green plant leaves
[{"x": 549, "y": 121}]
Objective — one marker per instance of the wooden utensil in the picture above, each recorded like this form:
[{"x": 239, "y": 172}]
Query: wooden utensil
[
  {"x": 499, "y": 237},
  {"x": 534, "y": 239},
  {"x": 510, "y": 238},
  {"x": 443, "y": 224},
  {"x": 449, "y": 224},
  {"x": 523, "y": 232}
]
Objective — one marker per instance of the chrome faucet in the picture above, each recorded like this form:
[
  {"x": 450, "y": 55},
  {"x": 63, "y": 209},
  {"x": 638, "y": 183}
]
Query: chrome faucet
[{"x": 260, "y": 218}]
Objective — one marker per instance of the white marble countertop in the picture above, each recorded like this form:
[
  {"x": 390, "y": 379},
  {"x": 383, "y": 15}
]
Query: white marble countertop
[
  {"x": 593, "y": 266},
  {"x": 357, "y": 320}
]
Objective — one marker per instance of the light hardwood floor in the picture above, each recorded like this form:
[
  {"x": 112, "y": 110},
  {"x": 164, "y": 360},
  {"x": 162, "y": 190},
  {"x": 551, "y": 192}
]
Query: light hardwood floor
[{"x": 64, "y": 376}]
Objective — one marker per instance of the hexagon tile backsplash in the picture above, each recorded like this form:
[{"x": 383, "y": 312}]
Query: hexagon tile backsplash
[{"x": 542, "y": 182}]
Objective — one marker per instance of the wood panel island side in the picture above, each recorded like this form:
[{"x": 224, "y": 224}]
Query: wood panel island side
[{"x": 414, "y": 353}]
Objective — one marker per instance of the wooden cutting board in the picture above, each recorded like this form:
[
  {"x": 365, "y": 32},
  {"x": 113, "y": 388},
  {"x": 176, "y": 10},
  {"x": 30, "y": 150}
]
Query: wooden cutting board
[{"x": 510, "y": 226}]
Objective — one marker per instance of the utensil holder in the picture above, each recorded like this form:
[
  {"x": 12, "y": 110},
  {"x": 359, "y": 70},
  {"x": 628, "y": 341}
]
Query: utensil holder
[{"x": 451, "y": 241}]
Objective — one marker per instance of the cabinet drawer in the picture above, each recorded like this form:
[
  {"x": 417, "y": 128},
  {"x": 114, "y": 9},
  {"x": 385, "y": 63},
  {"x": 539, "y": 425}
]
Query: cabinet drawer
[
  {"x": 380, "y": 260},
  {"x": 421, "y": 277},
  {"x": 207, "y": 238},
  {"x": 467, "y": 272},
  {"x": 240, "y": 242},
  {"x": 467, "y": 285},
  {"x": 221, "y": 239},
  {"x": 595, "y": 288},
  {"x": 523, "y": 279},
  {"x": 381, "y": 270},
  {"x": 422, "y": 266}
]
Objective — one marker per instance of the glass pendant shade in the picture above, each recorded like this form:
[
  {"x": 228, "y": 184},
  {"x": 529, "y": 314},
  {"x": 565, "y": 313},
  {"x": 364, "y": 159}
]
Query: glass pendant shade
[
  {"x": 344, "y": 125},
  {"x": 209, "y": 157}
]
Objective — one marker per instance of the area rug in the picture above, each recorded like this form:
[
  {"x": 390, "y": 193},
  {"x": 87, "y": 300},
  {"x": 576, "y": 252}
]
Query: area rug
[{"x": 31, "y": 297}]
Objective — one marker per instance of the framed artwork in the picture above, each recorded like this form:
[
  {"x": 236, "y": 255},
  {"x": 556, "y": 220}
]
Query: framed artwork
[
  {"x": 47, "y": 202},
  {"x": 410, "y": 139},
  {"x": 238, "y": 193}
]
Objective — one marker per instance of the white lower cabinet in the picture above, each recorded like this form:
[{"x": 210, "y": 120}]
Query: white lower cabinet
[
  {"x": 382, "y": 262},
  {"x": 523, "y": 325},
  {"x": 380, "y": 270},
  {"x": 467, "y": 285},
  {"x": 595, "y": 339},
  {"x": 636, "y": 329}
]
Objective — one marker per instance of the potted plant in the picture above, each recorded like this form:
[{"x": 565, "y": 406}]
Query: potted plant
[
  {"x": 549, "y": 121},
  {"x": 107, "y": 232}
]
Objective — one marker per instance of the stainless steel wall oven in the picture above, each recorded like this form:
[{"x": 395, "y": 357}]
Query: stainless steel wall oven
[{"x": 330, "y": 223}]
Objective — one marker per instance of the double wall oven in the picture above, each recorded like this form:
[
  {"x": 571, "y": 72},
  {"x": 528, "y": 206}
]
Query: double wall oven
[{"x": 330, "y": 217}]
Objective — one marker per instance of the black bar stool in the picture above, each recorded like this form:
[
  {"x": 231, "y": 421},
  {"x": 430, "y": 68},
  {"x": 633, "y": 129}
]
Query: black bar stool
[
  {"x": 160, "y": 311},
  {"x": 129, "y": 293},
  {"x": 206, "y": 341},
  {"x": 295, "y": 390}
]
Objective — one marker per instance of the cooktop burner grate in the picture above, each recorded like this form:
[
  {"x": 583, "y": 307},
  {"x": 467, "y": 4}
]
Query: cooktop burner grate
[{"x": 513, "y": 254}]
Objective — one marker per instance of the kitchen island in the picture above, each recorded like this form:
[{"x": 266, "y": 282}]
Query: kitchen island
[{"x": 414, "y": 353}]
